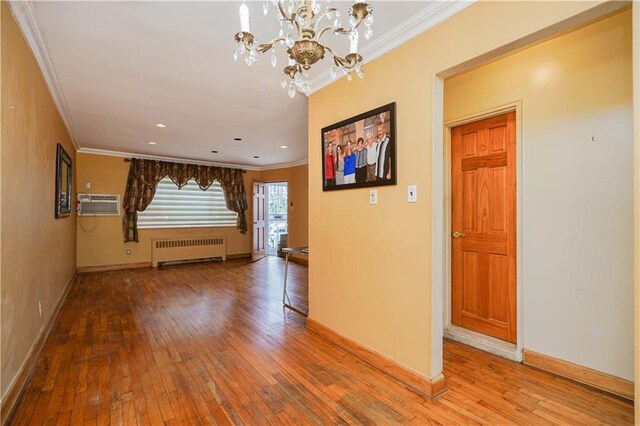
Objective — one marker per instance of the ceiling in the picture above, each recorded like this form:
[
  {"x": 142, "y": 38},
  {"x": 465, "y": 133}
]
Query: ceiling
[{"x": 116, "y": 69}]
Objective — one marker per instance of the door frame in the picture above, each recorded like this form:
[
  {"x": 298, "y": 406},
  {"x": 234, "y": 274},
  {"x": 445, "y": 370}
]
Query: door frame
[
  {"x": 266, "y": 193},
  {"x": 253, "y": 219},
  {"x": 442, "y": 223}
]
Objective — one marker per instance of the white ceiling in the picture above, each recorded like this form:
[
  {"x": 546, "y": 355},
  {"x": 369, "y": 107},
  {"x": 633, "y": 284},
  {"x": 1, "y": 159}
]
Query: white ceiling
[{"x": 118, "y": 68}]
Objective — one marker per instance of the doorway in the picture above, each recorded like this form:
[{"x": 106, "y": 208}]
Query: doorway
[
  {"x": 444, "y": 238},
  {"x": 277, "y": 201},
  {"x": 483, "y": 223},
  {"x": 259, "y": 221}
]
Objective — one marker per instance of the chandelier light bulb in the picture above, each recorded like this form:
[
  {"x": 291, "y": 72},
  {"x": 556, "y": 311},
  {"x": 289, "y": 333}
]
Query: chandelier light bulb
[
  {"x": 353, "y": 45},
  {"x": 244, "y": 18}
]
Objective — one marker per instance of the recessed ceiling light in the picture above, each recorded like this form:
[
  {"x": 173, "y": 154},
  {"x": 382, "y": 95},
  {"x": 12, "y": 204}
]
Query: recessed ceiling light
[
  {"x": 161, "y": 125},
  {"x": 237, "y": 139},
  {"x": 283, "y": 146},
  {"x": 255, "y": 156},
  {"x": 215, "y": 152},
  {"x": 152, "y": 143}
]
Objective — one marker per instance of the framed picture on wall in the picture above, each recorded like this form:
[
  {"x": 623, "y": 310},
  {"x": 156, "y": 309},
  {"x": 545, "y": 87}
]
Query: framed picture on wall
[{"x": 360, "y": 152}]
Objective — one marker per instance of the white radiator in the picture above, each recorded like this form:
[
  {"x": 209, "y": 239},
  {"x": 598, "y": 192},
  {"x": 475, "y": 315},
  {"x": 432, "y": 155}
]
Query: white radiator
[{"x": 194, "y": 248}]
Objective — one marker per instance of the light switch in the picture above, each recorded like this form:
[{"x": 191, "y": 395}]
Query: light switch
[
  {"x": 412, "y": 193},
  {"x": 87, "y": 185},
  {"x": 373, "y": 196}
]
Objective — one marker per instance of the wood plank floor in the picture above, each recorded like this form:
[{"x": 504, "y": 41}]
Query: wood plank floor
[{"x": 211, "y": 344}]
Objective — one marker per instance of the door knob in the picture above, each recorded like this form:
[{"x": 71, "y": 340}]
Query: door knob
[{"x": 458, "y": 234}]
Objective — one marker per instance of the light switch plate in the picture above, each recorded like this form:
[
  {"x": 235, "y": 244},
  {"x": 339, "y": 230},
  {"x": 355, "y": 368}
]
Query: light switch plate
[
  {"x": 373, "y": 196},
  {"x": 412, "y": 193}
]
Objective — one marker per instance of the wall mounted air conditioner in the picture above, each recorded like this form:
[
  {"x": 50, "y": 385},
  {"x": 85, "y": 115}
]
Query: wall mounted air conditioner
[{"x": 98, "y": 205}]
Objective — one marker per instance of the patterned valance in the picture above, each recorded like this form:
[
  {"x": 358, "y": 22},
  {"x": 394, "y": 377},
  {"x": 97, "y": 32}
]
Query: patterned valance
[{"x": 144, "y": 176}]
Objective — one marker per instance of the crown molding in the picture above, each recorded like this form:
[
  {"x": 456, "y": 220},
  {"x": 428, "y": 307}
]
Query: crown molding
[
  {"x": 25, "y": 16},
  {"x": 430, "y": 16},
  {"x": 162, "y": 158},
  {"x": 123, "y": 154},
  {"x": 286, "y": 165}
]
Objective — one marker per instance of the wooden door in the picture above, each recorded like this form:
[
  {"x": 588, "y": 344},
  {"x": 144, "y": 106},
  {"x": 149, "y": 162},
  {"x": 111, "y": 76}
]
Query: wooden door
[
  {"x": 259, "y": 222},
  {"x": 483, "y": 222}
]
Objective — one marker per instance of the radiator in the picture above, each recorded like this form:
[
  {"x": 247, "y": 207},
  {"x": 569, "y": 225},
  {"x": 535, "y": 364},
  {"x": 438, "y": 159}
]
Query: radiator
[{"x": 179, "y": 249}]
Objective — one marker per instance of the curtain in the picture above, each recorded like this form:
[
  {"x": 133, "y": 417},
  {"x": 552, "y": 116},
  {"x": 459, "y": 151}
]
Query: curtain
[{"x": 144, "y": 176}]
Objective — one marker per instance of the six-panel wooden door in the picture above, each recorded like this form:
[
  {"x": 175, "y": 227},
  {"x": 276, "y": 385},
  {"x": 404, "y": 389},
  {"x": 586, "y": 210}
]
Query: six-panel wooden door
[{"x": 483, "y": 219}]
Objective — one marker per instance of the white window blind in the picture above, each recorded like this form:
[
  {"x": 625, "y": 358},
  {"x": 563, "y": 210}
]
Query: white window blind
[{"x": 187, "y": 207}]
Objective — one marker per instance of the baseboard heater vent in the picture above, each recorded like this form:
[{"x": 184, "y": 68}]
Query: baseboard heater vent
[{"x": 167, "y": 251}]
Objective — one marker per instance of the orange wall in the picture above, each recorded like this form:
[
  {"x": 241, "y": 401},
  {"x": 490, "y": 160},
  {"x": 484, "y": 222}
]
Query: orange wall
[
  {"x": 38, "y": 253},
  {"x": 370, "y": 280},
  {"x": 100, "y": 240}
]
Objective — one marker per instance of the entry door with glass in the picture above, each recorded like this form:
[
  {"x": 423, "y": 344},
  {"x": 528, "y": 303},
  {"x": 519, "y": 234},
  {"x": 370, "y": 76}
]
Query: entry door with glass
[{"x": 277, "y": 202}]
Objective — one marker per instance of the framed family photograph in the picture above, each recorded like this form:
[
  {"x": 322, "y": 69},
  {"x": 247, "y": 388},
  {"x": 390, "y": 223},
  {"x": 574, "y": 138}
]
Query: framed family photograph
[{"x": 360, "y": 152}]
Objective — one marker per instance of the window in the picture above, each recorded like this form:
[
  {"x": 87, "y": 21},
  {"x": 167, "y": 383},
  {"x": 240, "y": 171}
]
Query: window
[{"x": 187, "y": 207}]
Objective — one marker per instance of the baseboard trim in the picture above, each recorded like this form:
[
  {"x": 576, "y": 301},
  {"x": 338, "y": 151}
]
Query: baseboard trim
[
  {"x": 587, "y": 376},
  {"x": 14, "y": 393},
  {"x": 239, "y": 256},
  {"x": 103, "y": 268},
  {"x": 413, "y": 380}
]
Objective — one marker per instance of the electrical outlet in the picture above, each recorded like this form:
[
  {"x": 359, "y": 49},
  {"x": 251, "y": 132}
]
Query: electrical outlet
[
  {"x": 128, "y": 252},
  {"x": 373, "y": 196},
  {"x": 40, "y": 307}
]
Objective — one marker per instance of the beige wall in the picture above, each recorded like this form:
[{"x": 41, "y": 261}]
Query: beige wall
[
  {"x": 297, "y": 179},
  {"x": 577, "y": 187},
  {"x": 38, "y": 251},
  {"x": 100, "y": 239},
  {"x": 371, "y": 279}
]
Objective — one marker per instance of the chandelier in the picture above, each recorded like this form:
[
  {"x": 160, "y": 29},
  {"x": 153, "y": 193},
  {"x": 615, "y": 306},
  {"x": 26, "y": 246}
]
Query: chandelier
[{"x": 302, "y": 25}]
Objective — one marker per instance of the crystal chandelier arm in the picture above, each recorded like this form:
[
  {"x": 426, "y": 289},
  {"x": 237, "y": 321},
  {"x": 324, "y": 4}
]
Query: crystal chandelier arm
[
  {"x": 323, "y": 14},
  {"x": 349, "y": 62},
  {"x": 338, "y": 60},
  {"x": 295, "y": 22},
  {"x": 282, "y": 11},
  {"x": 335, "y": 30},
  {"x": 264, "y": 47}
]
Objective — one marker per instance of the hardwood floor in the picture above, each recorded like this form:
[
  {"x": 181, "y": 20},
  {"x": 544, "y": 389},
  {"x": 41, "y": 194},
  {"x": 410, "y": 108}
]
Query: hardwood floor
[{"x": 211, "y": 344}]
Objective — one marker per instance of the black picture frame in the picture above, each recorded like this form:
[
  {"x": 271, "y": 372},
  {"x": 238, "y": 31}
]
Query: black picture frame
[
  {"x": 64, "y": 176},
  {"x": 348, "y": 134}
]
